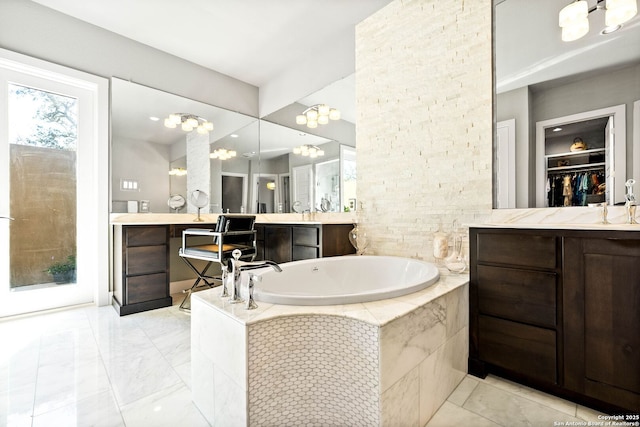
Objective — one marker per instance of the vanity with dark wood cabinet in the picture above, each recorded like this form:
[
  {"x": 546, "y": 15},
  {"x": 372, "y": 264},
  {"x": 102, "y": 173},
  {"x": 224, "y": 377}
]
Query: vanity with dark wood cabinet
[
  {"x": 141, "y": 255},
  {"x": 558, "y": 310}
]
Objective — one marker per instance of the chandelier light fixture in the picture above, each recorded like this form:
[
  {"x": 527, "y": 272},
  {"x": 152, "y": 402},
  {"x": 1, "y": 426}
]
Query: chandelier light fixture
[
  {"x": 309, "y": 151},
  {"x": 574, "y": 18},
  {"x": 318, "y": 114},
  {"x": 178, "y": 172},
  {"x": 222, "y": 154},
  {"x": 188, "y": 122}
]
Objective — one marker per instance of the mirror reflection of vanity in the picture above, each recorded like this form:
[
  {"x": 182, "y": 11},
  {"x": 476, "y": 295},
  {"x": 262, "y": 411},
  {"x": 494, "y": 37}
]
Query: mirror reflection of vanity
[
  {"x": 152, "y": 164},
  {"x": 586, "y": 89}
]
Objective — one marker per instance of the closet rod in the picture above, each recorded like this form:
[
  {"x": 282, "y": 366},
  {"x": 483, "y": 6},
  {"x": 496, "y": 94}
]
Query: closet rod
[{"x": 571, "y": 169}]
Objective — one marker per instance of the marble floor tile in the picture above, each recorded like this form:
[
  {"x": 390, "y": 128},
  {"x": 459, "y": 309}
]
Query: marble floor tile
[
  {"x": 170, "y": 407},
  {"x": 99, "y": 410},
  {"x": 87, "y": 366},
  {"x": 554, "y": 402},
  {"x": 509, "y": 409},
  {"x": 450, "y": 415},
  {"x": 463, "y": 391}
]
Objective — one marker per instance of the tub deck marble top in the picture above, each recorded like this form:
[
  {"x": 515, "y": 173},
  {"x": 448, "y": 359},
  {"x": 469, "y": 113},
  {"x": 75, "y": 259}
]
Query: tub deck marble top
[{"x": 376, "y": 313}]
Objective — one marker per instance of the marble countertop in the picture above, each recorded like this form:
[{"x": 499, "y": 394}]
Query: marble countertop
[
  {"x": 566, "y": 218},
  {"x": 188, "y": 218},
  {"x": 376, "y": 313}
]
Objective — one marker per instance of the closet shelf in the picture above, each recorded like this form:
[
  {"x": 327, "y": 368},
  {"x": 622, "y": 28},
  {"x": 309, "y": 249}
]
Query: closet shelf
[
  {"x": 587, "y": 166},
  {"x": 576, "y": 153}
]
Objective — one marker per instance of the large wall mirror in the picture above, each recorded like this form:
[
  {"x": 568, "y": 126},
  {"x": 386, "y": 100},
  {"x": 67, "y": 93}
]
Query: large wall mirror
[
  {"x": 155, "y": 168},
  {"x": 151, "y": 163},
  {"x": 311, "y": 168},
  {"x": 563, "y": 108}
]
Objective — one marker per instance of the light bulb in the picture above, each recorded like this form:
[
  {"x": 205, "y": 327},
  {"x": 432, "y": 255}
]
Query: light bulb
[
  {"x": 185, "y": 127},
  {"x": 323, "y": 120},
  {"x": 202, "y": 130},
  {"x": 312, "y": 115},
  {"x": 576, "y": 30},
  {"x": 297, "y": 150},
  {"x": 208, "y": 126},
  {"x": 175, "y": 118},
  {"x": 312, "y": 124},
  {"x": 575, "y": 11},
  {"x": 323, "y": 110},
  {"x": 334, "y": 114},
  {"x": 232, "y": 153},
  {"x": 320, "y": 152},
  {"x": 192, "y": 122},
  {"x": 168, "y": 123},
  {"x": 301, "y": 119},
  {"x": 620, "y": 11}
]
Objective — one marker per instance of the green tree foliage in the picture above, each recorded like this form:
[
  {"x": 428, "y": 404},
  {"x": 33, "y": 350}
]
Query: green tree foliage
[{"x": 55, "y": 119}]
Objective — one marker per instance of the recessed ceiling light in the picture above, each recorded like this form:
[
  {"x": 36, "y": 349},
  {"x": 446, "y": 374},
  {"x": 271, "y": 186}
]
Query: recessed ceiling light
[
  {"x": 557, "y": 129},
  {"x": 233, "y": 135},
  {"x": 611, "y": 29},
  {"x": 154, "y": 118}
]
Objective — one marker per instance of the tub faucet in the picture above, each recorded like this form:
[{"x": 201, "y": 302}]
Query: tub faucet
[
  {"x": 237, "y": 267},
  {"x": 630, "y": 202}
]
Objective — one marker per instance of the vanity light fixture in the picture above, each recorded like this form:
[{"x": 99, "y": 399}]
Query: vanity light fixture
[
  {"x": 178, "y": 172},
  {"x": 309, "y": 150},
  {"x": 318, "y": 114},
  {"x": 271, "y": 185},
  {"x": 574, "y": 18},
  {"x": 222, "y": 154},
  {"x": 188, "y": 122}
]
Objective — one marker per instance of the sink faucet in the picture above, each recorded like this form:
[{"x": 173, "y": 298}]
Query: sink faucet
[
  {"x": 237, "y": 267},
  {"x": 630, "y": 202}
]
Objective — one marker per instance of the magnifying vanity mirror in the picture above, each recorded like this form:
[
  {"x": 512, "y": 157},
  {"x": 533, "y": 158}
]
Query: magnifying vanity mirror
[{"x": 563, "y": 108}]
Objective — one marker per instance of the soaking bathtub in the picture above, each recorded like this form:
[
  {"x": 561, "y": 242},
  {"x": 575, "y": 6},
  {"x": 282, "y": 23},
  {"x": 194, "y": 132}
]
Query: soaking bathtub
[{"x": 344, "y": 280}]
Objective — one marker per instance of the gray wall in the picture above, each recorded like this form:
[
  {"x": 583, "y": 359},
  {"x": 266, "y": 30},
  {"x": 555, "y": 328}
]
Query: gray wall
[
  {"x": 611, "y": 88},
  {"x": 32, "y": 29}
]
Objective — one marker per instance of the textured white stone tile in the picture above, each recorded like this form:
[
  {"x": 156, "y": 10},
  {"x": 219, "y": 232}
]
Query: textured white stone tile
[
  {"x": 313, "y": 369},
  {"x": 184, "y": 372},
  {"x": 169, "y": 407}
]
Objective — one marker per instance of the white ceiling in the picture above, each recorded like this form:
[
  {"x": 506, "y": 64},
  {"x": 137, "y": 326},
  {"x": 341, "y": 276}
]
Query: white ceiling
[{"x": 250, "y": 40}]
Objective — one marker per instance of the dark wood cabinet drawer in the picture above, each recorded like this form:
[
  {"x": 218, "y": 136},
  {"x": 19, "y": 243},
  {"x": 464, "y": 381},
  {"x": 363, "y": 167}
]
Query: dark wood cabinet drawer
[
  {"x": 525, "y": 349},
  {"x": 520, "y": 295},
  {"x": 526, "y": 250},
  {"x": 146, "y": 288},
  {"x": 146, "y": 259},
  {"x": 146, "y": 236},
  {"x": 306, "y": 236},
  {"x": 305, "y": 252}
]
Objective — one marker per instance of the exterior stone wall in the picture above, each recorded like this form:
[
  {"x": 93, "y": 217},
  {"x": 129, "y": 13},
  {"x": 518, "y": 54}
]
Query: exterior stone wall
[{"x": 424, "y": 125}]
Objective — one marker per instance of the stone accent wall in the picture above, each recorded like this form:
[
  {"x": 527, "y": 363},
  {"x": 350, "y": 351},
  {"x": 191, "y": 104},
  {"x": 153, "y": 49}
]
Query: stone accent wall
[{"x": 424, "y": 125}]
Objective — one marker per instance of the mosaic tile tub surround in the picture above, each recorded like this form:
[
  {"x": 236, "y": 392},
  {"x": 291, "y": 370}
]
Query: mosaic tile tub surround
[{"x": 390, "y": 362}]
